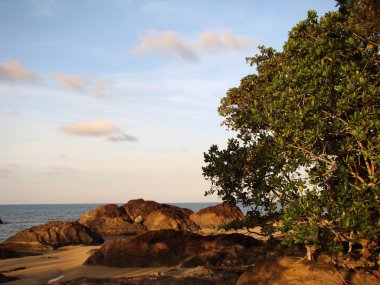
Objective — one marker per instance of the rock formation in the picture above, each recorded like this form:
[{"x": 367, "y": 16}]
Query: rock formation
[
  {"x": 212, "y": 217},
  {"x": 157, "y": 216},
  {"x": 148, "y": 280},
  {"x": 4, "y": 278},
  {"x": 50, "y": 236},
  {"x": 170, "y": 247},
  {"x": 6, "y": 253},
  {"x": 139, "y": 209},
  {"x": 110, "y": 220}
]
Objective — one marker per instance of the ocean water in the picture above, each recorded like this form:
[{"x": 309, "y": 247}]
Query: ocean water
[{"x": 20, "y": 217}]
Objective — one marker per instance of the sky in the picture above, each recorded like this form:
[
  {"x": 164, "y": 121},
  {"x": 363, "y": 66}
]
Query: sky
[{"x": 103, "y": 101}]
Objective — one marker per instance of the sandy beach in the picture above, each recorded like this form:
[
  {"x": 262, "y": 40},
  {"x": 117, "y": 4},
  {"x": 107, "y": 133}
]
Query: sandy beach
[{"x": 65, "y": 264}]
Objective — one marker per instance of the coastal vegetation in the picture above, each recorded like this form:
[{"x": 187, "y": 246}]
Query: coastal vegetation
[{"x": 307, "y": 149}]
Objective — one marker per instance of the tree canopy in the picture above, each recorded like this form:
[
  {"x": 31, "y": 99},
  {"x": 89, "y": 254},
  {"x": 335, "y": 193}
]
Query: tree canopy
[{"x": 306, "y": 155}]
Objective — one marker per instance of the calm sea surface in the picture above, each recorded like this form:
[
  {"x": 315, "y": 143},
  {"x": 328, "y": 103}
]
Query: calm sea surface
[{"x": 19, "y": 217}]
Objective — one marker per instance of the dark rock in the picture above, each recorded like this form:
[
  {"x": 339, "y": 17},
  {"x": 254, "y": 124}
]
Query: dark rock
[
  {"x": 170, "y": 247},
  {"x": 4, "y": 278},
  {"x": 6, "y": 253},
  {"x": 1, "y": 221},
  {"x": 50, "y": 236},
  {"x": 212, "y": 217},
  {"x": 148, "y": 280},
  {"x": 157, "y": 216},
  {"x": 13, "y": 269},
  {"x": 110, "y": 220}
]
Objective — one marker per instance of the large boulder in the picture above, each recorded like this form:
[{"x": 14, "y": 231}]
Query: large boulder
[
  {"x": 170, "y": 248},
  {"x": 139, "y": 209},
  {"x": 110, "y": 220},
  {"x": 50, "y": 236},
  {"x": 212, "y": 217},
  {"x": 156, "y": 216}
]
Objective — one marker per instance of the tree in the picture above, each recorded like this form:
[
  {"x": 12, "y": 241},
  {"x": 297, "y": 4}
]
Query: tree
[{"x": 306, "y": 156}]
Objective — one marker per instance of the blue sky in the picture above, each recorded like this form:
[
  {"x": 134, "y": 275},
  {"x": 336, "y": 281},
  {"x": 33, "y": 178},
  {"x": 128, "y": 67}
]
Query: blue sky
[{"x": 107, "y": 101}]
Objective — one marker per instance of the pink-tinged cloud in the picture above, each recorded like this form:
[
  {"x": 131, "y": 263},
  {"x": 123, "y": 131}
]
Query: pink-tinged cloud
[
  {"x": 98, "y": 94},
  {"x": 91, "y": 128},
  {"x": 210, "y": 41},
  {"x": 170, "y": 43},
  {"x": 74, "y": 83},
  {"x": 98, "y": 128},
  {"x": 79, "y": 83},
  {"x": 12, "y": 70},
  {"x": 166, "y": 42}
]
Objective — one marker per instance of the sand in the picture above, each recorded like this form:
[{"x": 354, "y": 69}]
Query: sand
[{"x": 65, "y": 264}]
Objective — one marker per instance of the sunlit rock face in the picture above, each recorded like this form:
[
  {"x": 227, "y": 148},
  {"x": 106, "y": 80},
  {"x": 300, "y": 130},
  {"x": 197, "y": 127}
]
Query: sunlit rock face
[
  {"x": 110, "y": 220},
  {"x": 212, "y": 217},
  {"x": 50, "y": 236}
]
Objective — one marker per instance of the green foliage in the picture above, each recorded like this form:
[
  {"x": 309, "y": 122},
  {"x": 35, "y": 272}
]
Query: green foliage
[{"x": 306, "y": 156}]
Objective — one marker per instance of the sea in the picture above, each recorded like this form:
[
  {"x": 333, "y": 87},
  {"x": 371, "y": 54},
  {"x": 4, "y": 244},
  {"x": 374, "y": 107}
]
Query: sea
[{"x": 20, "y": 217}]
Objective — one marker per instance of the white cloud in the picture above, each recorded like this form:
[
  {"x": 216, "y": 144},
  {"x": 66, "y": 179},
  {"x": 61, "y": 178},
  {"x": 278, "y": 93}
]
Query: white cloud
[
  {"x": 167, "y": 42},
  {"x": 98, "y": 128},
  {"x": 12, "y": 70},
  {"x": 74, "y": 83},
  {"x": 210, "y": 41},
  {"x": 170, "y": 43}
]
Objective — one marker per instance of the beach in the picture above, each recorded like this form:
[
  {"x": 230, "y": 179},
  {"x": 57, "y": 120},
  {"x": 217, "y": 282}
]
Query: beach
[{"x": 65, "y": 264}]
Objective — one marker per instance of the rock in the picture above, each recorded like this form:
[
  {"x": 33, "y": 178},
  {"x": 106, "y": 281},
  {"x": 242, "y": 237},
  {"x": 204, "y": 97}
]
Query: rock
[
  {"x": 170, "y": 217},
  {"x": 170, "y": 248},
  {"x": 50, "y": 236},
  {"x": 1, "y": 221},
  {"x": 289, "y": 270},
  {"x": 157, "y": 216},
  {"x": 139, "y": 220},
  {"x": 6, "y": 253},
  {"x": 4, "y": 278},
  {"x": 145, "y": 280},
  {"x": 110, "y": 220},
  {"x": 212, "y": 217},
  {"x": 140, "y": 209},
  {"x": 199, "y": 271}
]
